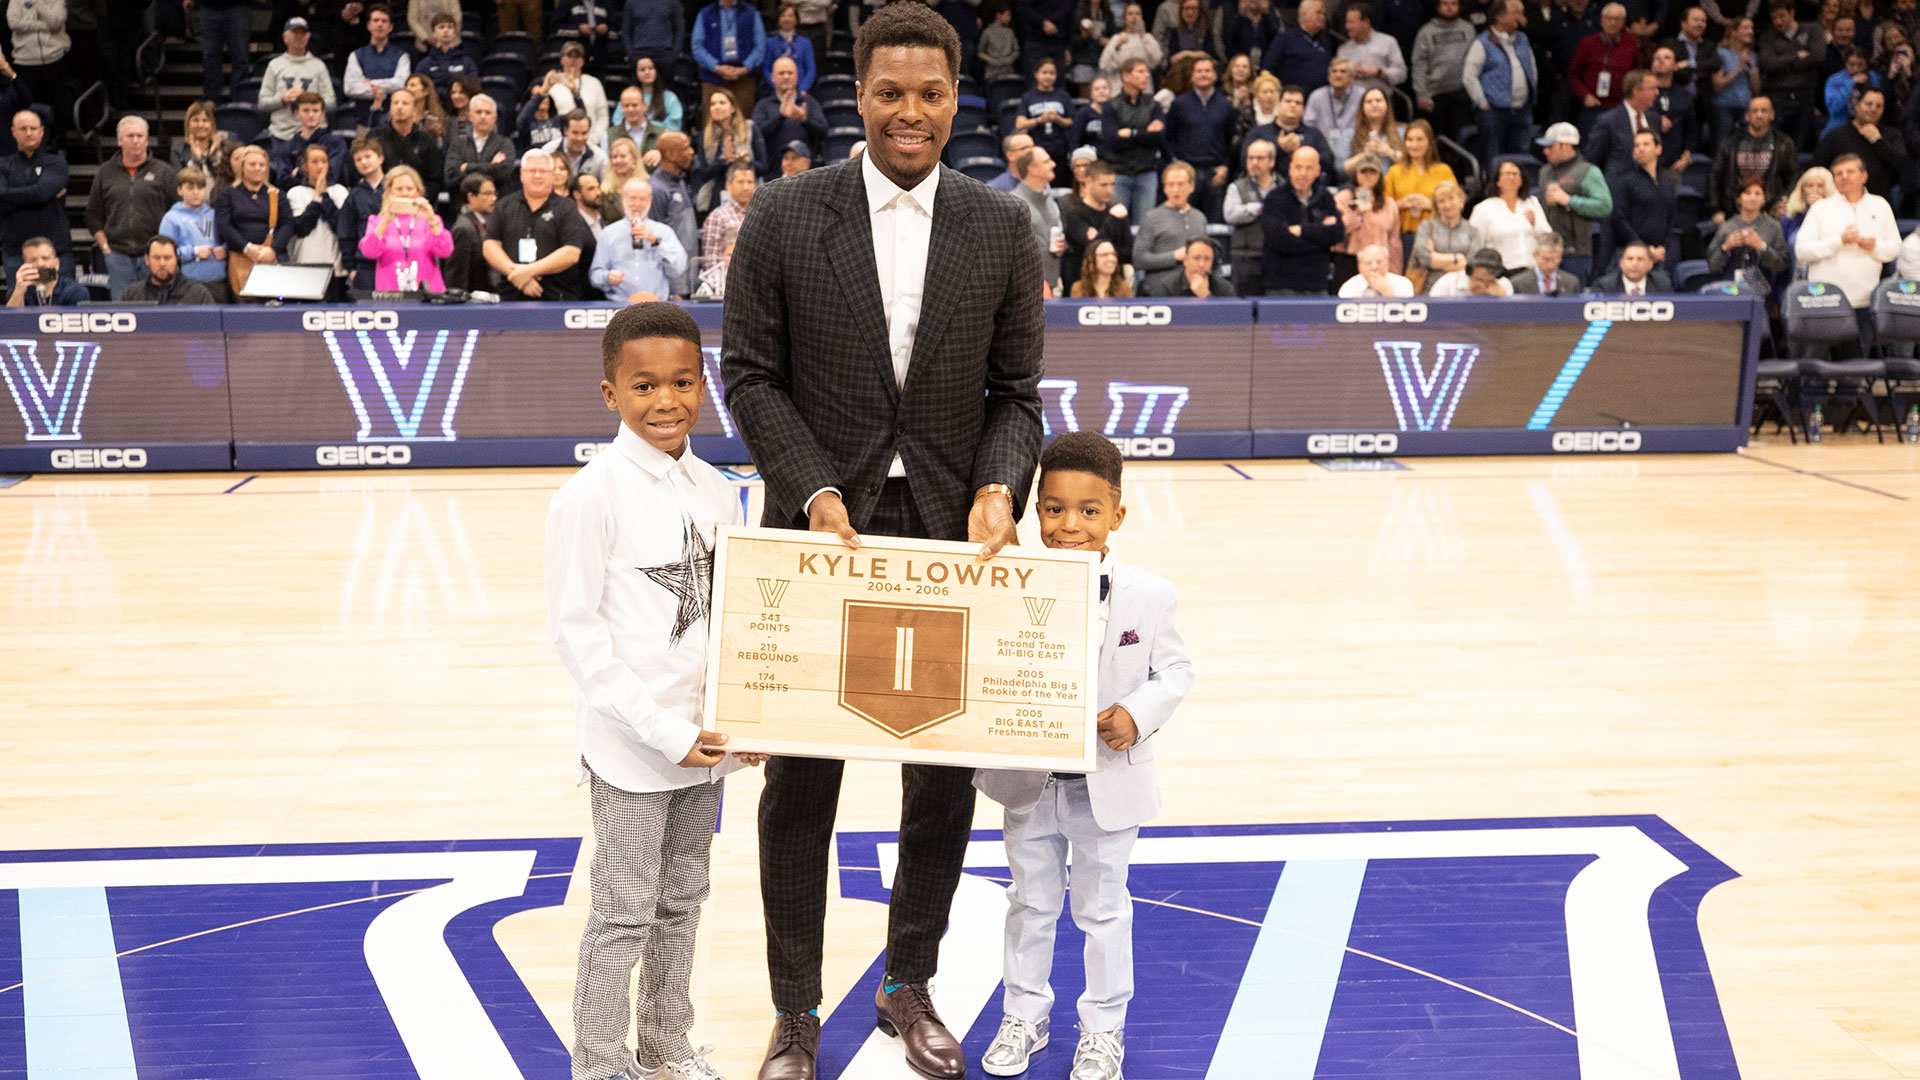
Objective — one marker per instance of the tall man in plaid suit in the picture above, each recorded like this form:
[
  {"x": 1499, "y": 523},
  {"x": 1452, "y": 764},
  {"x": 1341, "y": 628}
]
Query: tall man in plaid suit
[{"x": 882, "y": 357}]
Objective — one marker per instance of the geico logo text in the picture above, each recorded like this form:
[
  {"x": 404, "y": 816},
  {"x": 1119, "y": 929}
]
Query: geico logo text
[
  {"x": 130, "y": 458},
  {"x": 587, "y": 318},
  {"x": 1126, "y": 315},
  {"x": 349, "y": 319},
  {"x": 1380, "y": 313},
  {"x": 1591, "y": 442},
  {"x": 88, "y": 322},
  {"x": 1629, "y": 310},
  {"x": 586, "y": 451},
  {"x": 1144, "y": 447},
  {"x": 1383, "y": 443},
  {"x": 399, "y": 454}
]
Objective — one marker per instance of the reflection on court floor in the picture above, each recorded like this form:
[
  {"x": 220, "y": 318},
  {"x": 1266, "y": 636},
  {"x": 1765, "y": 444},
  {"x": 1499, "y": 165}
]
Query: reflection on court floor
[{"x": 1555, "y": 947}]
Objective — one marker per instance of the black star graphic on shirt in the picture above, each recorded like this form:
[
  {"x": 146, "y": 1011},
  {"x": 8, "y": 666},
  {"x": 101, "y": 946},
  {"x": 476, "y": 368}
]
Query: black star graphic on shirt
[{"x": 690, "y": 579}]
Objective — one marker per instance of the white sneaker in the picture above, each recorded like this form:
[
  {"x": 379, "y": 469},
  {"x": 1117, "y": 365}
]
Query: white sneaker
[
  {"x": 1098, "y": 1055},
  {"x": 693, "y": 1068},
  {"x": 1016, "y": 1042}
]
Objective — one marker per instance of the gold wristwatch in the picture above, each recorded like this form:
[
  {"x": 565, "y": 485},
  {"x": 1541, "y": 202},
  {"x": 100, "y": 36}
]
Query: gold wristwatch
[{"x": 993, "y": 489}]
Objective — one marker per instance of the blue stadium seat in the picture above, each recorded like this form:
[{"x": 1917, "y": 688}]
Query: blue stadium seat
[
  {"x": 247, "y": 92},
  {"x": 1896, "y": 325},
  {"x": 505, "y": 92},
  {"x": 507, "y": 66},
  {"x": 834, "y": 88},
  {"x": 971, "y": 144},
  {"x": 839, "y": 143},
  {"x": 835, "y": 63},
  {"x": 243, "y": 123},
  {"x": 516, "y": 42},
  {"x": 969, "y": 87},
  {"x": 1003, "y": 89},
  {"x": 1691, "y": 274},
  {"x": 982, "y": 169},
  {"x": 969, "y": 117},
  {"x": 404, "y": 39},
  {"x": 352, "y": 112},
  {"x": 840, "y": 114}
]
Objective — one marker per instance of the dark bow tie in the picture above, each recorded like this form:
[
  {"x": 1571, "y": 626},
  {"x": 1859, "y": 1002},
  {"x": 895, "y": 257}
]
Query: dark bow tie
[{"x": 1104, "y": 581}]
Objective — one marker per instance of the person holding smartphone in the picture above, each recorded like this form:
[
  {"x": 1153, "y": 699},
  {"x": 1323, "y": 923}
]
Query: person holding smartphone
[
  {"x": 636, "y": 255},
  {"x": 406, "y": 239},
  {"x": 38, "y": 282}
]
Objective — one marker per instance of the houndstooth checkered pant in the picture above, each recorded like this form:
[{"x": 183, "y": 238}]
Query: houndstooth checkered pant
[{"x": 649, "y": 878}]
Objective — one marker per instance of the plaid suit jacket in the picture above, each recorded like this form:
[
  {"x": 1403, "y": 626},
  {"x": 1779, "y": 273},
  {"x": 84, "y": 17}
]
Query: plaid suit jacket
[{"x": 808, "y": 370}]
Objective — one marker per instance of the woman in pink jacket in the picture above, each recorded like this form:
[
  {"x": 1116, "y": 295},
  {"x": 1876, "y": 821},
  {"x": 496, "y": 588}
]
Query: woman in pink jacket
[{"x": 406, "y": 239}]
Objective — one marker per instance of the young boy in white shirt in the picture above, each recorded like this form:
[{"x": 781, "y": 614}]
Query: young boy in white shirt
[
  {"x": 629, "y": 567},
  {"x": 1144, "y": 674}
]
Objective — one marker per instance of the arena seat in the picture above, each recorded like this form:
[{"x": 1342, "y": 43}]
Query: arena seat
[
  {"x": 1896, "y": 324},
  {"x": 1814, "y": 325},
  {"x": 243, "y": 122}
]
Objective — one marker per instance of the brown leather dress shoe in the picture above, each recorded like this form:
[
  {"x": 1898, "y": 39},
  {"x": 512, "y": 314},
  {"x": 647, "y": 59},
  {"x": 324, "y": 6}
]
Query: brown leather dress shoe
[
  {"x": 792, "y": 1049},
  {"x": 907, "y": 1014}
]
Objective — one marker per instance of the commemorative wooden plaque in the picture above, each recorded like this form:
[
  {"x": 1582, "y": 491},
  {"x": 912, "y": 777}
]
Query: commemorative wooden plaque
[{"x": 903, "y": 650}]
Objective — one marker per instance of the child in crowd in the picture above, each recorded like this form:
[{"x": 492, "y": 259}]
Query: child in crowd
[
  {"x": 1144, "y": 674},
  {"x": 629, "y": 567},
  {"x": 189, "y": 223},
  {"x": 999, "y": 48}
]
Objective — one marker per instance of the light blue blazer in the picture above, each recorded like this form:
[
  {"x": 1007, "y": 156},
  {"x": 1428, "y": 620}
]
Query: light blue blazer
[{"x": 1149, "y": 675}]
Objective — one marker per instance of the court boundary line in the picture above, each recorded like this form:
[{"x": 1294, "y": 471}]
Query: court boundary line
[{"x": 1821, "y": 476}]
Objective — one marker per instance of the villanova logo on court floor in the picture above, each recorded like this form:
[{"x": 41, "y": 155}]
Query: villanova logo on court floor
[
  {"x": 404, "y": 384},
  {"x": 50, "y": 399},
  {"x": 1425, "y": 396},
  {"x": 1561, "y": 947}
]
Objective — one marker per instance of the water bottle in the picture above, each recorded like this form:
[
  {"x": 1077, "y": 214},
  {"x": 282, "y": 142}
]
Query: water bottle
[
  {"x": 1815, "y": 422},
  {"x": 1912, "y": 433}
]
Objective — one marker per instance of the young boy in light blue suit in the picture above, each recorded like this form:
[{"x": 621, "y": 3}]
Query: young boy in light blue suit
[{"x": 1144, "y": 674}]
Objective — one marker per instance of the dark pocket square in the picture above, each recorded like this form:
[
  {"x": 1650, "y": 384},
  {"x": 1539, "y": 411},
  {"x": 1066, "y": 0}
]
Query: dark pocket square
[{"x": 1128, "y": 637}]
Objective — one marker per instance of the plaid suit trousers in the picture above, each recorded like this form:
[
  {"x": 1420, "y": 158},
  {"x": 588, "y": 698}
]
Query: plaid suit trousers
[{"x": 797, "y": 811}]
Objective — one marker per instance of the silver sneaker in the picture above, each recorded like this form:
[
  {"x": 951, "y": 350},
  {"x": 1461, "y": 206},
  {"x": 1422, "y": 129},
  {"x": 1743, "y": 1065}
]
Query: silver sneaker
[
  {"x": 1016, "y": 1042},
  {"x": 1098, "y": 1055},
  {"x": 693, "y": 1068}
]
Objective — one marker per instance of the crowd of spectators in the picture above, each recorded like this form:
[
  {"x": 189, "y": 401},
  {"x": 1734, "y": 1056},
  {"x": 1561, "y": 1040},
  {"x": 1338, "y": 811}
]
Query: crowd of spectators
[{"x": 1186, "y": 148}]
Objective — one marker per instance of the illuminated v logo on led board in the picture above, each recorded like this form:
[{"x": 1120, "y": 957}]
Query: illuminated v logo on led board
[
  {"x": 50, "y": 400},
  {"x": 1423, "y": 398},
  {"x": 404, "y": 380}
]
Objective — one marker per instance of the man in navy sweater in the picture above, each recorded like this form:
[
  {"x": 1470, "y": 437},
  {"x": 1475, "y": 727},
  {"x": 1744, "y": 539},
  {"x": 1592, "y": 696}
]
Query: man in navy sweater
[
  {"x": 33, "y": 185},
  {"x": 1300, "y": 56},
  {"x": 1301, "y": 224},
  {"x": 1200, "y": 133}
]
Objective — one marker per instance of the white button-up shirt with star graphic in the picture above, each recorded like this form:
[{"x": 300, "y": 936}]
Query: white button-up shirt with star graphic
[{"x": 629, "y": 568}]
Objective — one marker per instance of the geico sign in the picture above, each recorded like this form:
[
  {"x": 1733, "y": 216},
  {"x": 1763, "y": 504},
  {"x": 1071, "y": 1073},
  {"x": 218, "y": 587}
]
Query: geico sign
[
  {"x": 129, "y": 458},
  {"x": 1380, "y": 313},
  {"x": 88, "y": 322},
  {"x": 586, "y": 451},
  {"x": 349, "y": 320},
  {"x": 1144, "y": 447},
  {"x": 1596, "y": 442},
  {"x": 399, "y": 454},
  {"x": 587, "y": 318},
  {"x": 1629, "y": 310},
  {"x": 1384, "y": 443},
  {"x": 1126, "y": 315}
]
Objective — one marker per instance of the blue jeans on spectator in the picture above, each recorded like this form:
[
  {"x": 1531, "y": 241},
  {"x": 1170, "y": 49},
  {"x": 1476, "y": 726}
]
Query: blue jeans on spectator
[
  {"x": 224, "y": 31},
  {"x": 1139, "y": 194},
  {"x": 123, "y": 273},
  {"x": 1504, "y": 131}
]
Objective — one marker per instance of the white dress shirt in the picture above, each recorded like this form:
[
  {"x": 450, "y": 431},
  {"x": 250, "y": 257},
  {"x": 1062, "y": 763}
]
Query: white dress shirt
[
  {"x": 1818, "y": 246},
  {"x": 902, "y": 231},
  {"x": 902, "y": 223},
  {"x": 623, "y": 533}
]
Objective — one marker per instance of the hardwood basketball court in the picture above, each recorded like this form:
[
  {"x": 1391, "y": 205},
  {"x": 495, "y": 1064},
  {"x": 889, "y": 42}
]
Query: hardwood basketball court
[{"x": 1725, "y": 642}]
